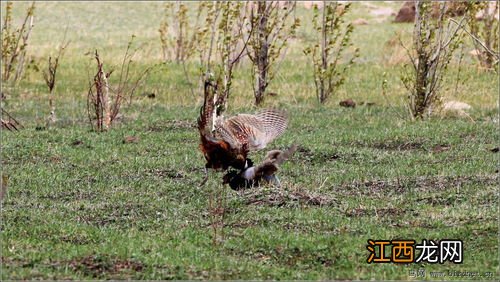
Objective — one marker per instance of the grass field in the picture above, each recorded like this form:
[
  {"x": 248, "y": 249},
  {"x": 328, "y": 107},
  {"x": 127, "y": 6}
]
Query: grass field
[{"x": 86, "y": 205}]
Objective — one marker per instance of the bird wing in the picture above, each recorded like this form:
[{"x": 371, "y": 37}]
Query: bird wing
[
  {"x": 278, "y": 156},
  {"x": 273, "y": 158},
  {"x": 252, "y": 131}
]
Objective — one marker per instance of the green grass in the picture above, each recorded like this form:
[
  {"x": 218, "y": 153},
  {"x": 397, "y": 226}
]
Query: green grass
[{"x": 102, "y": 209}]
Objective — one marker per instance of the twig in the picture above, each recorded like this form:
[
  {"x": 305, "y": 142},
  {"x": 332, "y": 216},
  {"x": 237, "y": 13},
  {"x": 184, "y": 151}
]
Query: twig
[
  {"x": 10, "y": 124},
  {"x": 497, "y": 55}
]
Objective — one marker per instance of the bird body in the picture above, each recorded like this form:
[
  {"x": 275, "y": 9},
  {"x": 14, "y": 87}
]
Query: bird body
[
  {"x": 226, "y": 142},
  {"x": 233, "y": 138}
]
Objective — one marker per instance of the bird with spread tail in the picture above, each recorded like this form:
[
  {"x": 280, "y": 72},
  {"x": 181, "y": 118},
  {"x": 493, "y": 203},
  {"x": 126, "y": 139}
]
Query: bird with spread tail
[{"x": 226, "y": 142}]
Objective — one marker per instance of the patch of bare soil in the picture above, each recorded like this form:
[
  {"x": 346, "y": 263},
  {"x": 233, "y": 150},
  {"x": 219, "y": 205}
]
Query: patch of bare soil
[
  {"x": 99, "y": 266},
  {"x": 325, "y": 157},
  {"x": 172, "y": 125},
  {"x": 398, "y": 146},
  {"x": 289, "y": 256},
  {"x": 440, "y": 148},
  {"x": 304, "y": 150},
  {"x": 307, "y": 155},
  {"x": 15, "y": 262},
  {"x": 77, "y": 142},
  {"x": 76, "y": 239},
  {"x": 279, "y": 197},
  {"x": 443, "y": 201}
]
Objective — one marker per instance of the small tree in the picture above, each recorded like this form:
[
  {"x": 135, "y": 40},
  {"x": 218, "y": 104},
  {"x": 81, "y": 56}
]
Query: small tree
[
  {"x": 485, "y": 35},
  {"x": 433, "y": 46},
  {"x": 50, "y": 80},
  {"x": 15, "y": 43},
  {"x": 272, "y": 29},
  {"x": 333, "y": 40},
  {"x": 183, "y": 38},
  {"x": 225, "y": 48},
  {"x": 179, "y": 36}
]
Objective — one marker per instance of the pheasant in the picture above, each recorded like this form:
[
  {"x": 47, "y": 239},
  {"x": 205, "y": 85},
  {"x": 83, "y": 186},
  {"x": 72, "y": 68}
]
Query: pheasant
[
  {"x": 226, "y": 142},
  {"x": 254, "y": 175}
]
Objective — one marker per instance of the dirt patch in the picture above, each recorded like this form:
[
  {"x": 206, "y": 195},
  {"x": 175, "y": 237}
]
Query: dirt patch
[
  {"x": 77, "y": 142},
  {"x": 304, "y": 151},
  {"x": 15, "y": 262},
  {"x": 290, "y": 256},
  {"x": 441, "y": 148},
  {"x": 172, "y": 125},
  {"x": 307, "y": 155},
  {"x": 398, "y": 146},
  {"x": 278, "y": 197},
  {"x": 76, "y": 239},
  {"x": 99, "y": 266},
  {"x": 80, "y": 143},
  {"x": 325, "y": 157},
  {"x": 452, "y": 199}
]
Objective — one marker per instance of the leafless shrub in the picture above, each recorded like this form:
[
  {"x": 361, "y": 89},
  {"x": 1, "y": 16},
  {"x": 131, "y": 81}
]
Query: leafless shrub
[
  {"x": 50, "y": 80},
  {"x": 128, "y": 81},
  {"x": 104, "y": 101},
  {"x": 327, "y": 52},
  {"x": 433, "y": 45},
  {"x": 98, "y": 101},
  {"x": 15, "y": 43},
  {"x": 272, "y": 29}
]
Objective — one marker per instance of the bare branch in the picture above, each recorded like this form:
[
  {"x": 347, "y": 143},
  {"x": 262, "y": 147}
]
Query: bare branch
[{"x": 477, "y": 40}]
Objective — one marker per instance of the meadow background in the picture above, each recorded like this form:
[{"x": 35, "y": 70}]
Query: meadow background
[{"x": 86, "y": 205}]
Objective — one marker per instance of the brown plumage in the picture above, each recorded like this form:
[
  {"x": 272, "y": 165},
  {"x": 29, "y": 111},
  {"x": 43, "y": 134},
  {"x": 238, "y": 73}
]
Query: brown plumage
[{"x": 226, "y": 142}]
